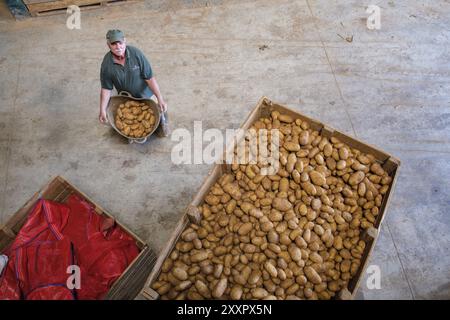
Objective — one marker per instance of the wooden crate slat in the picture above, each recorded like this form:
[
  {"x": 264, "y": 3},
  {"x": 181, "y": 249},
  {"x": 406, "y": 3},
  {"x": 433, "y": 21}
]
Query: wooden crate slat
[
  {"x": 182, "y": 224},
  {"x": 49, "y": 7}
]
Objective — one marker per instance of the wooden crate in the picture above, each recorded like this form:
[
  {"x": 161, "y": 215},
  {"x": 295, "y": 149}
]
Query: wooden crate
[
  {"x": 263, "y": 109},
  {"x": 132, "y": 279},
  {"x": 49, "y": 7}
]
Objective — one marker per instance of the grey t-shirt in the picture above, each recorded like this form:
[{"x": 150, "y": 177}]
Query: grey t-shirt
[{"x": 129, "y": 77}]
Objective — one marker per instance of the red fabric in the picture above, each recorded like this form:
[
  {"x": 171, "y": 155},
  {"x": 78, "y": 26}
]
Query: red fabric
[
  {"x": 42, "y": 270},
  {"x": 56, "y": 236}
]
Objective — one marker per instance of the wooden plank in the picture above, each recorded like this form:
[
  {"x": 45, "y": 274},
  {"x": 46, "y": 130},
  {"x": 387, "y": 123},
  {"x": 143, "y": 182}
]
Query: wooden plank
[
  {"x": 212, "y": 177},
  {"x": 182, "y": 224},
  {"x": 331, "y": 132},
  {"x": 38, "y": 1},
  {"x": 151, "y": 294},
  {"x": 255, "y": 114},
  {"x": 327, "y": 131},
  {"x": 60, "y": 6},
  {"x": 42, "y": 8},
  {"x": 363, "y": 147},
  {"x": 147, "y": 294},
  {"x": 369, "y": 237},
  {"x": 395, "y": 163},
  {"x": 133, "y": 278},
  {"x": 66, "y": 3},
  {"x": 313, "y": 123},
  {"x": 5, "y": 239}
]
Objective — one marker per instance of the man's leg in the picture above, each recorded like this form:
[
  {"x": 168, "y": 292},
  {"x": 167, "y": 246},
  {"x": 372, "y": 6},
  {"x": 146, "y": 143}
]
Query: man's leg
[{"x": 163, "y": 129}]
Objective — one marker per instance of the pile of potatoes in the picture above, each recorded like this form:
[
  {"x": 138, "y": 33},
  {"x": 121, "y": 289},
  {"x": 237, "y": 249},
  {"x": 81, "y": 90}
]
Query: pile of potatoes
[
  {"x": 134, "y": 119},
  {"x": 294, "y": 235}
]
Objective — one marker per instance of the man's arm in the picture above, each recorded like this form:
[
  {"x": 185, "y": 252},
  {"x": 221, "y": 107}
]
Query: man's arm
[
  {"x": 153, "y": 85},
  {"x": 105, "y": 95}
]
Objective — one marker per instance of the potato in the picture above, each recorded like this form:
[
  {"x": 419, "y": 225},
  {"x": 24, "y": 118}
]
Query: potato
[
  {"x": 285, "y": 118},
  {"x": 312, "y": 275},
  {"x": 295, "y": 253},
  {"x": 132, "y": 103},
  {"x": 167, "y": 265},
  {"x": 162, "y": 290},
  {"x": 119, "y": 125},
  {"x": 141, "y": 117},
  {"x": 315, "y": 257},
  {"x": 220, "y": 288},
  {"x": 236, "y": 292},
  {"x": 139, "y": 133},
  {"x": 328, "y": 150},
  {"x": 233, "y": 190},
  {"x": 377, "y": 169},
  {"x": 283, "y": 185},
  {"x": 256, "y": 213},
  {"x": 200, "y": 256},
  {"x": 128, "y": 116},
  {"x": 183, "y": 285},
  {"x": 343, "y": 153},
  {"x": 291, "y": 146},
  {"x": 245, "y": 228},
  {"x": 254, "y": 277},
  {"x": 301, "y": 280},
  {"x": 146, "y": 124},
  {"x": 275, "y": 216},
  {"x": 126, "y": 130},
  {"x": 212, "y": 200},
  {"x": 341, "y": 164},
  {"x": 304, "y": 138},
  {"x": 189, "y": 236},
  {"x": 259, "y": 293},
  {"x": 291, "y": 161},
  {"x": 180, "y": 274},
  {"x": 317, "y": 178},
  {"x": 281, "y": 204},
  {"x": 134, "y": 126},
  {"x": 356, "y": 178},
  {"x": 270, "y": 268}
]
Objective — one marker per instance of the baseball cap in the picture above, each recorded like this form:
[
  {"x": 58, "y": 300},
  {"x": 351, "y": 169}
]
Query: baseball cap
[{"x": 114, "y": 35}]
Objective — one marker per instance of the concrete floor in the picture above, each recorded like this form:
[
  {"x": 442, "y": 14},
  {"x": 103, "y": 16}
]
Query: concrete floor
[{"x": 390, "y": 88}]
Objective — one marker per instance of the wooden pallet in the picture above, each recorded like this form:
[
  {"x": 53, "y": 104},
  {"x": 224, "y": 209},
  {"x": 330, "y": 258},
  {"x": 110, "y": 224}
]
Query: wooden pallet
[{"x": 49, "y": 7}]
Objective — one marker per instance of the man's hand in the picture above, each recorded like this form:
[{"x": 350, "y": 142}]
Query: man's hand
[
  {"x": 162, "y": 105},
  {"x": 102, "y": 117},
  {"x": 105, "y": 95},
  {"x": 153, "y": 85}
]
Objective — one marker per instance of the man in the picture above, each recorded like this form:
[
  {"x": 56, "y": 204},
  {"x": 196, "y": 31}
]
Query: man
[{"x": 127, "y": 69}]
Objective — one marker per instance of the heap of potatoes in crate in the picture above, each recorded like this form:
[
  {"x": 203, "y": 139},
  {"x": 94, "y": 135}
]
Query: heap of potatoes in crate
[
  {"x": 134, "y": 119},
  {"x": 293, "y": 235}
]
